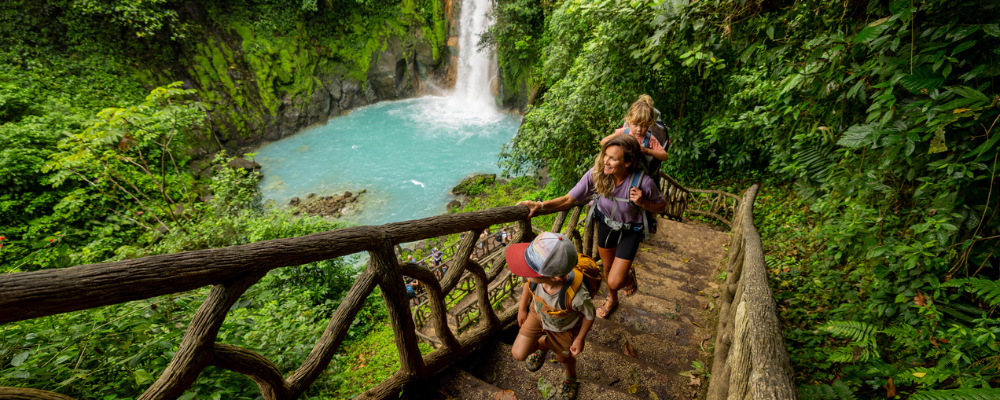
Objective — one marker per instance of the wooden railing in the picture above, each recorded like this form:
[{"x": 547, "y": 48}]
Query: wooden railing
[
  {"x": 713, "y": 203},
  {"x": 751, "y": 360},
  {"x": 232, "y": 270}
]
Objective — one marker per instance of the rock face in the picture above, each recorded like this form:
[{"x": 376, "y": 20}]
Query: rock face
[
  {"x": 327, "y": 206},
  {"x": 260, "y": 91}
]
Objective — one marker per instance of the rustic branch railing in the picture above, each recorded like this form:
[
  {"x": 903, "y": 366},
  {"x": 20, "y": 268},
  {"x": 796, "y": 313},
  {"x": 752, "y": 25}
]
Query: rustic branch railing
[
  {"x": 232, "y": 270},
  {"x": 751, "y": 360}
]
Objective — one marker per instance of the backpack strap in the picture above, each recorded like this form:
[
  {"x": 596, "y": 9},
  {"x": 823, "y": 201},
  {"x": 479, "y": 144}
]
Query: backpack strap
[
  {"x": 636, "y": 179},
  {"x": 571, "y": 288},
  {"x": 645, "y": 140}
]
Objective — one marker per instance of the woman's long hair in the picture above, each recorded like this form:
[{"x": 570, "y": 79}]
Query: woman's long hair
[{"x": 605, "y": 184}]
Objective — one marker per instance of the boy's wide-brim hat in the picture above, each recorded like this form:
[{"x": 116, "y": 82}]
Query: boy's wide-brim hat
[{"x": 550, "y": 254}]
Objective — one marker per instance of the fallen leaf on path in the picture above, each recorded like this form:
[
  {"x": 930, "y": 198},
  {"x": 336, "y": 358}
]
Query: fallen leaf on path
[
  {"x": 506, "y": 395},
  {"x": 645, "y": 248},
  {"x": 634, "y": 388},
  {"x": 545, "y": 388},
  {"x": 890, "y": 389},
  {"x": 629, "y": 351},
  {"x": 685, "y": 260},
  {"x": 653, "y": 396},
  {"x": 695, "y": 381}
]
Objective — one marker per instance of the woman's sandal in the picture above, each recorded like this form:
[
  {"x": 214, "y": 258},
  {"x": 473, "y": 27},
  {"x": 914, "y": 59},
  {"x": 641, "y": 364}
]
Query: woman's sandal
[{"x": 606, "y": 310}]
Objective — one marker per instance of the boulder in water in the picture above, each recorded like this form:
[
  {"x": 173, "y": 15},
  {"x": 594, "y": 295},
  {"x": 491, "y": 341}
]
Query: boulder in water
[
  {"x": 454, "y": 204},
  {"x": 294, "y": 201},
  {"x": 474, "y": 184}
]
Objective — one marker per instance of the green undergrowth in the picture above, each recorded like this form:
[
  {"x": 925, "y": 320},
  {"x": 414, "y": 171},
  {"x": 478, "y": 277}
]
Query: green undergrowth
[{"x": 366, "y": 362}]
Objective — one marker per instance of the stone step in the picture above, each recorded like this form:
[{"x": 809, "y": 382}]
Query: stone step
[
  {"x": 493, "y": 363},
  {"x": 455, "y": 383}
]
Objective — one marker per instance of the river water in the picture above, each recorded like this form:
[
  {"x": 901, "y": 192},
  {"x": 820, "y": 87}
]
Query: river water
[{"x": 407, "y": 154}]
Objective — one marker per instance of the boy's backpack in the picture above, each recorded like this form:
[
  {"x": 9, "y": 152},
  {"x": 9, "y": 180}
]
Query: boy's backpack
[
  {"x": 586, "y": 272},
  {"x": 499, "y": 237}
]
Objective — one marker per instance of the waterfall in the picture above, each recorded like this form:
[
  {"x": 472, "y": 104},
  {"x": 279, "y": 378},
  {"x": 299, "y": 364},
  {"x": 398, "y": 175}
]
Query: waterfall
[{"x": 472, "y": 86}]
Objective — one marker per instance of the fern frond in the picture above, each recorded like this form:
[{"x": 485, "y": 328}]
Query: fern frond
[
  {"x": 958, "y": 394},
  {"x": 843, "y": 391},
  {"x": 985, "y": 289},
  {"x": 854, "y": 330}
]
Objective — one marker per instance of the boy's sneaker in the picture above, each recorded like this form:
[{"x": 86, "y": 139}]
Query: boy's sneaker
[
  {"x": 570, "y": 388},
  {"x": 535, "y": 360}
]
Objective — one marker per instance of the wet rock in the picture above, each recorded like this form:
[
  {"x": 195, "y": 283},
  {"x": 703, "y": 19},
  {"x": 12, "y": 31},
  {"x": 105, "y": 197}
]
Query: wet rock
[
  {"x": 240, "y": 162},
  {"x": 453, "y": 204},
  {"x": 333, "y": 206}
]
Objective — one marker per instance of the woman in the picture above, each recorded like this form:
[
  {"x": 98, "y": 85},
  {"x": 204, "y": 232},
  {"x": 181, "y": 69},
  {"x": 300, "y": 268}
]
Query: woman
[{"x": 611, "y": 178}]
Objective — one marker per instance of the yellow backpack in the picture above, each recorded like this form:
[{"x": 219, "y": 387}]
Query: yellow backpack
[{"x": 586, "y": 272}]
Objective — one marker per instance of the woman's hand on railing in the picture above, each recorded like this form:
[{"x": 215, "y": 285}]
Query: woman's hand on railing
[{"x": 533, "y": 206}]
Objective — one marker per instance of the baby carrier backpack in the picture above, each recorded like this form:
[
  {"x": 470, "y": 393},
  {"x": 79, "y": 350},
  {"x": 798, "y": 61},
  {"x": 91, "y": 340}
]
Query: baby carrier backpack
[
  {"x": 652, "y": 166},
  {"x": 586, "y": 272}
]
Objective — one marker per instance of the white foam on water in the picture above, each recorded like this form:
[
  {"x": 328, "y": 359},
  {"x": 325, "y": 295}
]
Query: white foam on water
[{"x": 416, "y": 182}]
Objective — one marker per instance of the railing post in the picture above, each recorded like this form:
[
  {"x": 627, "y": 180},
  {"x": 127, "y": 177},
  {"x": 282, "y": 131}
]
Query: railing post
[{"x": 383, "y": 261}]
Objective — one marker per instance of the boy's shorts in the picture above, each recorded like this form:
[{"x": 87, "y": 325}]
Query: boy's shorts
[{"x": 558, "y": 342}]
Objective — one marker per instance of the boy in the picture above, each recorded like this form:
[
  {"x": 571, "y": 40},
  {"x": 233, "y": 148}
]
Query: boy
[{"x": 546, "y": 261}]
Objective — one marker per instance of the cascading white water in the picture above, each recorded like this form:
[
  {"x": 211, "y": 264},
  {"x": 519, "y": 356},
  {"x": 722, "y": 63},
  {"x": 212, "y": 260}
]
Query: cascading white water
[{"x": 472, "y": 88}]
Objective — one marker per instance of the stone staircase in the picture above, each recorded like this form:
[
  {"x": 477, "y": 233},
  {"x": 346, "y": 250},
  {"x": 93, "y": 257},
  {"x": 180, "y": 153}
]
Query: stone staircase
[{"x": 646, "y": 349}]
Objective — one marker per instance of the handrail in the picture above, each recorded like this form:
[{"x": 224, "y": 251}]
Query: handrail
[
  {"x": 232, "y": 270},
  {"x": 750, "y": 360}
]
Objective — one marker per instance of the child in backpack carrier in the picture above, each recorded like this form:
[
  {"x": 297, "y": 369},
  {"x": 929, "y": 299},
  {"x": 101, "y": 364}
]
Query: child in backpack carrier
[{"x": 555, "y": 312}]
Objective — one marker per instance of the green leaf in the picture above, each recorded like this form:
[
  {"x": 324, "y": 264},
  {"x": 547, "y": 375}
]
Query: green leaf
[
  {"x": 922, "y": 81},
  {"x": 969, "y": 93},
  {"x": 142, "y": 377},
  {"x": 964, "y": 46},
  {"x": 856, "y": 136},
  {"x": 870, "y": 33},
  {"x": 770, "y": 32},
  {"x": 992, "y": 30},
  {"x": 937, "y": 143},
  {"x": 20, "y": 358}
]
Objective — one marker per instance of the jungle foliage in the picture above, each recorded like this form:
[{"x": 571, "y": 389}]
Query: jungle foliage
[
  {"x": 106, "y": 153},
  {"x": 881, "y": 112}
]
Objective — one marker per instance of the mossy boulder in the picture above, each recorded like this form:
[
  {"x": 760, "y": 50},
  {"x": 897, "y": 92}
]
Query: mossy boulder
[{"x": 474, "y": 184}]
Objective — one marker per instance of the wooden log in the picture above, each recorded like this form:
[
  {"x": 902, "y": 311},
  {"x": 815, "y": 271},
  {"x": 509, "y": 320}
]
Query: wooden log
[
  {"x": 11, "y": 393},
  {"x": 461, "y": 257},
  {"x": 26, "y": 295},
  {"x": 439, "y": 313},
  {"x": 588, "y": 236},
  {"x": 558, "y": 223},
  {"x": 335, "y": 332},
  {"x": 486, "y": 312},
  {"x": 197, "y": 348},
  {"x": 261, "y": 370},
  {"x": 383, "y": 263},
  {"x": 574, "y": 219}
]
